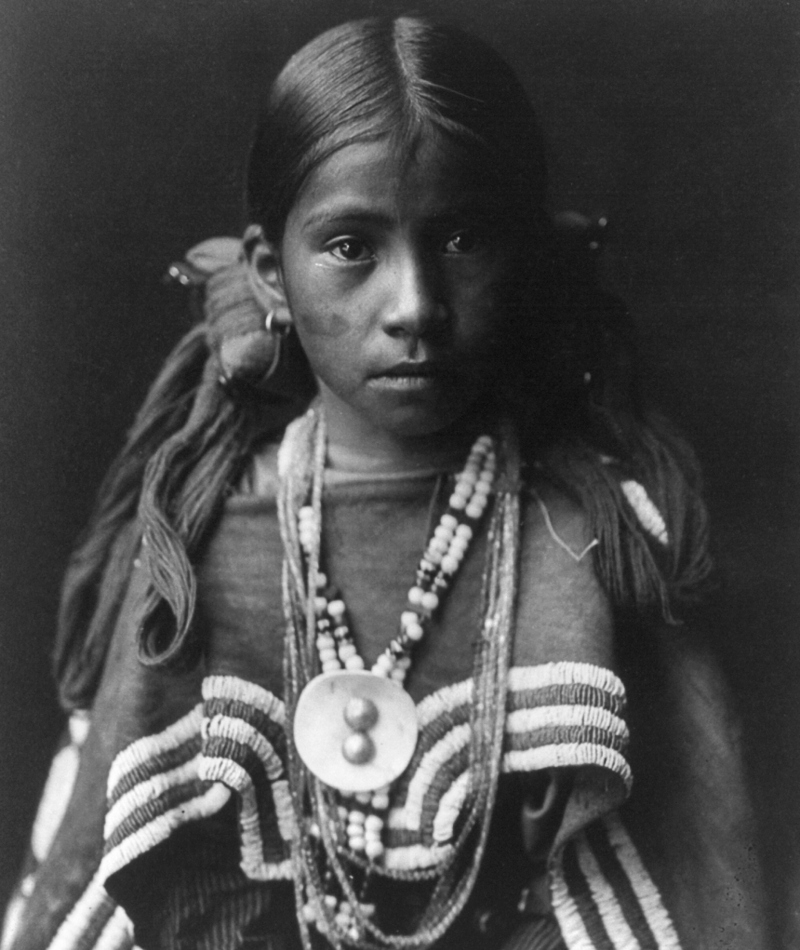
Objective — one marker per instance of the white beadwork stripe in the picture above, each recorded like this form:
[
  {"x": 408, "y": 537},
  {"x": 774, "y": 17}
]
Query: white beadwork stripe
[
  {"x": 225, "y": 770},
  {"x": 565, "y": 673},
  {"x": 144, "y": 750},
  {"x": 283, "y": 808},
  {"x": 79, "y": 723},
  {"x": 606, "y": 904},
  {"x": 15, "y": 910},
  {"x": 568, "y": 754},
  {"x": 570, "y": 922},
  {"x": 415, "y": 857},
  {"x": 449, "y": 808},
  {"x": 268, "y": 871},
  {"x": 605, "y": 899},
  {"x": 161, "y": 827},
  {"x": 211, "y": 768},
  {"x": 409, "y": 816},
  {"x": 238, "y": 778},
  {"x": 117, "y": 933},
  {"x": 522, "y": 678},
  {"x": 252, "y": 843},
  {"x": 231, "y": 687},
  {"x": 541, "y": 717},
  {"x": 226, "y": 727},
  {"x": 646, "y": 892},
  {"x": 55, "y": 799},
  {"x": 443, "y": 701},
  {"x": 94, "y": 902},
  {"x": 147, "y": 791},
  {"x": 649, "y": 516}
]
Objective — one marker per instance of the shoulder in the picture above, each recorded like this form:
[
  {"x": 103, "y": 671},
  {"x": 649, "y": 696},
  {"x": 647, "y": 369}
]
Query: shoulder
[
  {"x": 563, "y": 612},
  {"x": 550, "y": 516}
]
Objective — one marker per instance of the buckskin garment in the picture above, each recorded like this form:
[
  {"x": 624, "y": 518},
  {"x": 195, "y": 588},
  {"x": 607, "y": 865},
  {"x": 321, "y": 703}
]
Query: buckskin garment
[{"x": 622, "y": 819}]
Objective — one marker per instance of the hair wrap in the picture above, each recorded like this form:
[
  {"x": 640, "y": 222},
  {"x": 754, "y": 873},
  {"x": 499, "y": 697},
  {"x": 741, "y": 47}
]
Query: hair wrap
[
  {"x": 184, "y": 450},
  {"x": 98, "y": 570}
]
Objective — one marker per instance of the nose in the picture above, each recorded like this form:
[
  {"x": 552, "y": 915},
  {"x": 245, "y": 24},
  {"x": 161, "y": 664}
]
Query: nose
[{"x": 415, "y": 304}]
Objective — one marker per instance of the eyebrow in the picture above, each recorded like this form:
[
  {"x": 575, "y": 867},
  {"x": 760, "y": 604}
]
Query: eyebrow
[
  {"x": 361, "y": 215},
  {"x": 355, "y": 213}
]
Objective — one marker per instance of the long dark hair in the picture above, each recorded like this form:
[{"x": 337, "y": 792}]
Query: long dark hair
[
  {"x": 573, "y": 389},
  {"x": 398, "y": 79}
]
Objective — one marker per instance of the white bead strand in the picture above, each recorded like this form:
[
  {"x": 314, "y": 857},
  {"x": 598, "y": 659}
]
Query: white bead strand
[{"x": 364, "y": 818}]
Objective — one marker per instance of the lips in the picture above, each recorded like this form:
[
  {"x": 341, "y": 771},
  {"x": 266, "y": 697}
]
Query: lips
[
  {"x": 408, "y": 374},
  {"x": 411, "y": 369}
]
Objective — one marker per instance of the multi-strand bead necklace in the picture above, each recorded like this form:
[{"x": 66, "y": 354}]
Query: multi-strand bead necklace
[
  {"x": 447, "y": 546},
  {"x": 348, "y": 826},
  {"x": 437, "y": 568}
]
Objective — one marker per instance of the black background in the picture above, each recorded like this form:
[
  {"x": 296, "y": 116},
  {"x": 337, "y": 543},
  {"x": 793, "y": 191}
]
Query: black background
[{"x": 124, "y": 125}]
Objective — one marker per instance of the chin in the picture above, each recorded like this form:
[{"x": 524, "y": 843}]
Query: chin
[{"x": 417, "y": 422}]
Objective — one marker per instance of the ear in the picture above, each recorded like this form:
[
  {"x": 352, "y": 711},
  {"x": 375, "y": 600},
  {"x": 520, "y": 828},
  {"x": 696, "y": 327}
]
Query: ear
[{"x": 264, "y": 273}]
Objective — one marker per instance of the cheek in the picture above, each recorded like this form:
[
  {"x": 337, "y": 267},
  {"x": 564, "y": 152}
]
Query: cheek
[
  {"x": 330, "y": 339},
  {"x": 481, "y": 305},
  {"x": 324, "y": 325},
  {"x": 323, "y": 302},
  {"x": 314, "y": 305},
  {"x": 327, "y": 350}
]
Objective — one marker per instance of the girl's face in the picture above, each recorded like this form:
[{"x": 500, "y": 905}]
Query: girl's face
[{"x": 395, "y": 274}]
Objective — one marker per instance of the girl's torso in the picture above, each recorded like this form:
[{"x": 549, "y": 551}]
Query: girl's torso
[{"x": 161, "y": 737}]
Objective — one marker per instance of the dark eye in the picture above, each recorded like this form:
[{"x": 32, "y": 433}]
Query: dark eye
[
  {"x": 350, "y": 249},
  {"x": 463, "y": 242}
]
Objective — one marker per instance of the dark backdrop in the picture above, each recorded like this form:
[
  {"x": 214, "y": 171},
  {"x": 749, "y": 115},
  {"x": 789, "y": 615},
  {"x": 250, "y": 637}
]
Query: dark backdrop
[{"x": 123, "y": 130}]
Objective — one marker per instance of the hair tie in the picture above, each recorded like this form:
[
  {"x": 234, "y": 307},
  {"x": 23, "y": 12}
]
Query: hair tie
[{"x": 243, "y": 337}]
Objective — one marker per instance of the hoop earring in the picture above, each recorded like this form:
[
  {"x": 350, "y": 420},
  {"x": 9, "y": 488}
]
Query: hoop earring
[{"x": 279, "y": 330}]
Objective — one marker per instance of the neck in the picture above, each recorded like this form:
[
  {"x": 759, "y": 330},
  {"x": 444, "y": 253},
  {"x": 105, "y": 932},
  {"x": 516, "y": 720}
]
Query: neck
[{"x": 355, "y": 445}]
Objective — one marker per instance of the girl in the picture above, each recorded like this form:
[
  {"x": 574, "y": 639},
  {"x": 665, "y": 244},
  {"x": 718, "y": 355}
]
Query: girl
[{"x": 376, "y": 620}]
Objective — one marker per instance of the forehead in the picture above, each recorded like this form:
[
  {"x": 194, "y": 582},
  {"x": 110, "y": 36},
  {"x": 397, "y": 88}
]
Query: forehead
[{"x": 437, "y": 178}]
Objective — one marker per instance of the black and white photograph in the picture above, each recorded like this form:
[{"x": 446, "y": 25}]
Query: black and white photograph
[{"x": 399, "y": 475}]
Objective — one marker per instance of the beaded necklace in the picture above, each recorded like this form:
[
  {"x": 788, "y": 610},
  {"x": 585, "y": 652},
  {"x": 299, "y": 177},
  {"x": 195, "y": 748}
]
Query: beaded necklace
[
  {"x": 437, "y": 568},
  {"x": 340, "y": 793}
]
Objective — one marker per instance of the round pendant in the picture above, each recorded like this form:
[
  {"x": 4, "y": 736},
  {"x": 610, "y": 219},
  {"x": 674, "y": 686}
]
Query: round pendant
[{"x": 355, "y": 731}]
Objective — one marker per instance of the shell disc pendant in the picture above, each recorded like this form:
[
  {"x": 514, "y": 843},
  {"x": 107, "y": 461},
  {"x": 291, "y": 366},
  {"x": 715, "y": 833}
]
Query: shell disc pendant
[{"x": 356, "y": 732}]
